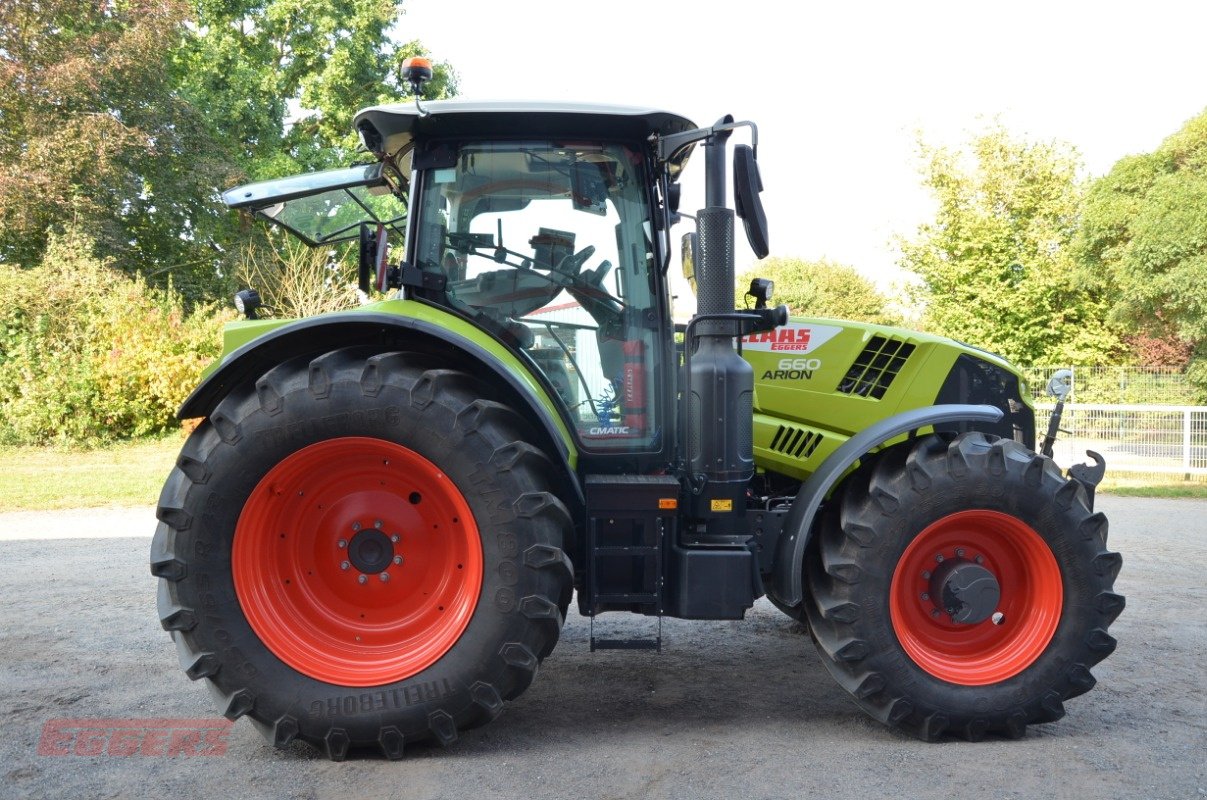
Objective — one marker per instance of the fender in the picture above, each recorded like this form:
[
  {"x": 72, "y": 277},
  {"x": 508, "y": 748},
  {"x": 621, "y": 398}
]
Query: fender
[
  {"x": 787, "y": 584},
  {"x": 388, "y": 330}
]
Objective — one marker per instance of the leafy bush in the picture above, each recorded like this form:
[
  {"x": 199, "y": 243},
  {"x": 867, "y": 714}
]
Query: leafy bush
[
  {"x": 295, "y": 280},
  {"x": 89, "y": 354}
]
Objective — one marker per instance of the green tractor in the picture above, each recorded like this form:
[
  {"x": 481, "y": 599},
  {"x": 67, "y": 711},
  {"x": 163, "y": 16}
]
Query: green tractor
[{"x": 374, "y": 535}]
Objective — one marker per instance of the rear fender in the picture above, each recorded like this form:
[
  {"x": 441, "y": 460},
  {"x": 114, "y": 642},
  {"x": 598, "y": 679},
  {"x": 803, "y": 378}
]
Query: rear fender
[
  {"x": 787, "y": 585},
  {"x": 486, "y": 360}
]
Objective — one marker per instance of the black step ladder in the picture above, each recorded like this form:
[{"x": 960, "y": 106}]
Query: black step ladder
[{"x": 627, "y": 521}]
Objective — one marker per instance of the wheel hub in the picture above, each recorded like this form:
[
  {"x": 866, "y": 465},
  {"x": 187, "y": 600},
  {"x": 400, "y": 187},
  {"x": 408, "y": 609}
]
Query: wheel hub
[
  {"x": 968, "y": 592},
  {"x": 370, "y": 551}
]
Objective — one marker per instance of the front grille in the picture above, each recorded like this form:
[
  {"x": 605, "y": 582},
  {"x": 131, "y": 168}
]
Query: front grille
[
  {"x": 795, "y": 442},
  {"x": 874, "y": 369}
]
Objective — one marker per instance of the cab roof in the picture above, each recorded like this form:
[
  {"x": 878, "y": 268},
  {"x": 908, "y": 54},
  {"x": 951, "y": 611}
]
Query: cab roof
[{"x": 394, "y": 129}]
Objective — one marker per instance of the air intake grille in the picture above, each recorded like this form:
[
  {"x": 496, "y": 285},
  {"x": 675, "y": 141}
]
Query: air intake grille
[
  {"x": 874, "y": 369},
  {"x": 795, "y": 442}
]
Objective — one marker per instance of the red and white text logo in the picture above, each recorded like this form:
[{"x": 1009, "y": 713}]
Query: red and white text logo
[
  {"x": 134, "y": 737},
  {"x": 792, "y": 338}
]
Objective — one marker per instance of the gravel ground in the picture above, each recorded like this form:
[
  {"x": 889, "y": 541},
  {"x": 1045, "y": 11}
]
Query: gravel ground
[{"x": 729, "y": 709}]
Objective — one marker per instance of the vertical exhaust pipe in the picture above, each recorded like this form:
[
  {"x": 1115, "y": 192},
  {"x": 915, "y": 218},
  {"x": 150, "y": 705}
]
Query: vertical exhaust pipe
[{"x": 720, "y": 385}]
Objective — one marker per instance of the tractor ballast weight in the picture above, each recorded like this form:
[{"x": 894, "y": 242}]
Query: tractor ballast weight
[{"x": 374, "y": 535}]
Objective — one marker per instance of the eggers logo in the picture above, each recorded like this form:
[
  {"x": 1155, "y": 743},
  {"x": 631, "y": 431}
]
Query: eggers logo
[
  {"x": 791, "y": 338},
  {"x": 134, "y": 737}
]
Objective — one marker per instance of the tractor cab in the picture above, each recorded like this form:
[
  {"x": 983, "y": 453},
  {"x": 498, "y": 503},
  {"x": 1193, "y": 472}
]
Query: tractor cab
[{"x": 555, "y": 244}]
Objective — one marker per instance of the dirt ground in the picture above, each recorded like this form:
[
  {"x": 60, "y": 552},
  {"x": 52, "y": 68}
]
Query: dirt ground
[{"x": 728, "y": 710}]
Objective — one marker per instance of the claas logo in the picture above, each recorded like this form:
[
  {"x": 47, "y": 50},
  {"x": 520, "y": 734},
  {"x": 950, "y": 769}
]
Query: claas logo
[
  {"x": 782, "y": 339},
  {"x": 792, "y": 338}
]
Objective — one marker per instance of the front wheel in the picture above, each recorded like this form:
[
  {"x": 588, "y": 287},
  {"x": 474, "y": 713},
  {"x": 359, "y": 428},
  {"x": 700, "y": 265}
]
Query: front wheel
[
  {"x": 362, "y": 551},
  {"x": 962, "y": 586}
]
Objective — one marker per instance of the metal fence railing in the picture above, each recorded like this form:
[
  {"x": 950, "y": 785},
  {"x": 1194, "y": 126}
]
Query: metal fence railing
[
  {"x": 1132, "y": 438},
  {"x": 1120, "y": 384}
]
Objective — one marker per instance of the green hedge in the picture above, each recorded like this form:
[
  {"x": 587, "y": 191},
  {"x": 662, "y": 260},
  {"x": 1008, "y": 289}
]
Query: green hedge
[{"x": 89, "y": 354}]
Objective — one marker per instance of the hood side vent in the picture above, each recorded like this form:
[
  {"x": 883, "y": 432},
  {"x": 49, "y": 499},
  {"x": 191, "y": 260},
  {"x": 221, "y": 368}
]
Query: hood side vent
[
  {"x": 876, "y": 367},
  {"x": 795, "y": 442}
]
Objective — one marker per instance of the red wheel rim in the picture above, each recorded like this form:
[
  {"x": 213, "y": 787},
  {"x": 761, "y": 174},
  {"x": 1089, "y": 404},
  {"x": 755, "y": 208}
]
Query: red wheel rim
[
  {"x": 308, "y": 559},
  {"x": 1032, "y": 595}
]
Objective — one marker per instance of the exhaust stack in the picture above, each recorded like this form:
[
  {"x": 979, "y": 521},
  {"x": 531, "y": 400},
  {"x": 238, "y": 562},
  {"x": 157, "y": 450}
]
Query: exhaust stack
[{"x": 720, "y": 383}]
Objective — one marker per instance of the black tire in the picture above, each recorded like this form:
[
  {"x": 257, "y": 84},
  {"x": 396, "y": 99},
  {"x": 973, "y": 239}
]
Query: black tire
[
  {"x": 437, "y": 413},
  {"x": 864, "y": 535}
]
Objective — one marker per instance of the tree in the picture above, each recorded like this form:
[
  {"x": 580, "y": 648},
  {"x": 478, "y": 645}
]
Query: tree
[
  {"x": 282, "y": 79},
  {"x": 126, "y": 118},
  {"x": 821, "y": 289},
  {"x": 996, "y": 264},
  {"x": 1144, "y": 239},
  {"x": 95, "y": 135},
  {"x": 295, "y": 280}
]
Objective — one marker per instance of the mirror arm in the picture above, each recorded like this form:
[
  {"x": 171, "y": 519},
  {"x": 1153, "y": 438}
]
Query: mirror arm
[{"x": 669, "y": 146}]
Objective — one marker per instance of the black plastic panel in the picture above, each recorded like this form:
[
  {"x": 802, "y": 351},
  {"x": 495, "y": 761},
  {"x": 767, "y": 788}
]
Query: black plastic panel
[{"x": 972, "y": 380}]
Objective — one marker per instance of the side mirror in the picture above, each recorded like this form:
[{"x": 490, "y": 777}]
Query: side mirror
[
  {"x": 689, "y": 246},
  {"x": 374, "y": 254},
  {"x": 674, "y": 193},
  {"x": 747, "y": 184},
  {"x": 1061, "y": 384}
]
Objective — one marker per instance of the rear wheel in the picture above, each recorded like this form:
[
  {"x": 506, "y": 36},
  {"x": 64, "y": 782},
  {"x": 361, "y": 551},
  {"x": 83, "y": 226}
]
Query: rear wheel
[
  {"x": 361, "y": 552},
  {"x": 962, "y": 586}
]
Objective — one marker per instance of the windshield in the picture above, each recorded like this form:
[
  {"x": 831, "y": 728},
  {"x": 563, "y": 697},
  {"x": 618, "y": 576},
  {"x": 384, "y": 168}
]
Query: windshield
[{"x": 548, "y": 246}]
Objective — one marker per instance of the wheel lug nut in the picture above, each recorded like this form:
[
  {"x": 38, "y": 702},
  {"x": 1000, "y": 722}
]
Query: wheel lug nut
[
  {"x": 385, "y": 576},
  {"x": 979, "y": 559},
  {"x": 397, "y": 559},
  {"x": 355, "y": 526},
  {"x": 925, "y": 574},
  {"x": 377, "y": 523},
  {"x": 343, "y": 543},
  {"x": 363, "y": 578},
  {"x": 960, "y": 552},
  {"x": 344, "y": 565},
  {"x": 934, "y": 613},
  {"x": 939, "y": 558},
  {"x": 925, "y": 595},
  {"x": 394, "y": 537}
]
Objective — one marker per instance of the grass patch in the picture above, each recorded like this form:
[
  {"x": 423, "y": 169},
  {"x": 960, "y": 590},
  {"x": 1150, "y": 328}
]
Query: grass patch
[
  {"x": 43, "y": 478},
  {"x": 1153, "y": 486}
]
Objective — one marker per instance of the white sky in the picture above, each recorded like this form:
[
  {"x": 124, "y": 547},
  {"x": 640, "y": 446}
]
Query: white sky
[{"x": 839, "y": 90}]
